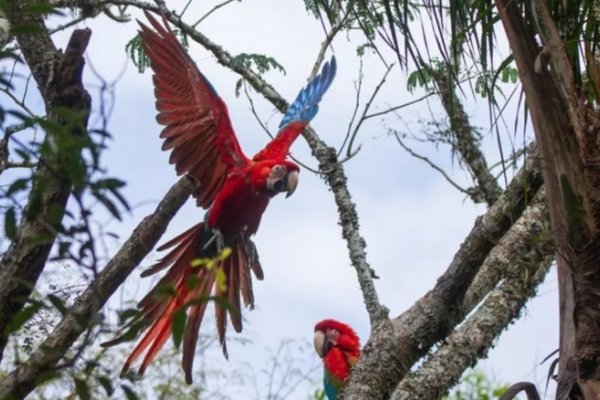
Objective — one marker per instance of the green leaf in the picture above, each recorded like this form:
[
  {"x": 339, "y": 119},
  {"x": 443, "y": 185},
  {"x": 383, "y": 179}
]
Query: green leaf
[
  {"x": 131, "y": 333},
  {"x": 46, "y": 376},
  {"x": 199, "y": 262},
  {"x": 418, "y": 78},
  {"x": 108, "y": 183},
  {"x": 110, "y": 206},
  {"x": 43, "y": 9},
  {"x": 82, "y": 389},
  {"x": 25, "y": 155},
  {"x": 127, "y": 314},
  {"x": 106, "y": 383},
  {"x": 221, "y": 279},
  {"x": 261, "y": 62},
  {"x": 26, "y": 29},
  {"x": 20, "y": 115},
  {"x": 319, "y": 394},
  {"x": 226, "y": 252},
  {"x": 361, "y": 50},
  {"x": 26, "y": 313},
  {"x": 178, "y": 326},
  {"x": 165, "y": 292},
  {"x": 238, "y": 87},
  {"x": 17, "y": 186},
  {"x": 136, "y": 52},
  {"x": 129, "y": 393},
  {"x": 58, "y": 304},
  {"x": 120, "y": 197},
  {"x": 193, "y": 281},
  {"x": 10, "y": 223},
  {"x": 5, "y": 7}
]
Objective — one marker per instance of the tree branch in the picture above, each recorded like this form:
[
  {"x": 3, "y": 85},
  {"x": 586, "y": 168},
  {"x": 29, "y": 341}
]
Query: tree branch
[
  {"x": 395, "y": 345},
  {"x": 524, "y": 256},
  {"x": 466, "y": 143},
  {"x": 23, "y": 380}
]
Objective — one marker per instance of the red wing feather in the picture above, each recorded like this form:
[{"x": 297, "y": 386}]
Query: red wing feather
[{"x": 193, "y": 114}]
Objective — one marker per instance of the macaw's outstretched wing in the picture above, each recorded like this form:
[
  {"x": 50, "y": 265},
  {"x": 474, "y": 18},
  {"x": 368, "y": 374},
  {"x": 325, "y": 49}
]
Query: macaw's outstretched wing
[
  {"x": 299, "y": 114},
  {"x": 197, "y": 126}
]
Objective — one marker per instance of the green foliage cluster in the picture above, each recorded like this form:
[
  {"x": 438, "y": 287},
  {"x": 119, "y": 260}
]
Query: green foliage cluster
[
  {"x": 134, "y": 49},
  {"x": 258, "y": 62},
  {"x": 476, "y": 386}
]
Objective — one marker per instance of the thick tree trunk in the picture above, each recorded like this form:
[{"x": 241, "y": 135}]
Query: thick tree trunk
[
  {"x": 566, "y": 132},
  {"x": 59, "y": 80}
]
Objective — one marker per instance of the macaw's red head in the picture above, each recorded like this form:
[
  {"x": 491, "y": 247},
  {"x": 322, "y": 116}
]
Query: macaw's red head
[
  {"x": 272, "y": 177},
  {"x": 339, "y": 347}
]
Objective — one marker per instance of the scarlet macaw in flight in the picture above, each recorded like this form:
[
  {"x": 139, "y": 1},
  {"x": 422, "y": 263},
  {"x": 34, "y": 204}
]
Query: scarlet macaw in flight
[
  {"x": 339, "y": 347},
  {"x": 234, "y": 188}
]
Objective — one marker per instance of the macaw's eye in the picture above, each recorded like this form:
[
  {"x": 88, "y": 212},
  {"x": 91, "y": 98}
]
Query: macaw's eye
[{"x": 277, "y": 169}]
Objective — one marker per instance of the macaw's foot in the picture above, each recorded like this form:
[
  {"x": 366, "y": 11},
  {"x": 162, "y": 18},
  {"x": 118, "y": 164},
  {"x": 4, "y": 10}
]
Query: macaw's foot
[
  {"x": 215, "y": 244},
  {"x": 252, "y": 257}
]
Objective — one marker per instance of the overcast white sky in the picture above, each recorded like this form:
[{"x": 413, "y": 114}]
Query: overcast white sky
[{"x": 412, "y": 220}]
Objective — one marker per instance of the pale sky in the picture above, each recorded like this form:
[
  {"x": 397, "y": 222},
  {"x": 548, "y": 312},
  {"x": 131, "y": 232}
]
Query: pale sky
[{"x": 412, "y": 220}]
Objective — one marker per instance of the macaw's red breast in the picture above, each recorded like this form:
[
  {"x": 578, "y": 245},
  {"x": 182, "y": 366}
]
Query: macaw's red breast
[{"x": 238, "y": 207}]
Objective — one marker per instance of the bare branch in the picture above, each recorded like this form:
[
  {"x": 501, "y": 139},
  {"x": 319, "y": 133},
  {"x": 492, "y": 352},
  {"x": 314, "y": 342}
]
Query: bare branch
[
  {"x": 349, "y": 151},
  {"x": 20, "y": 103},
  {"x": 468, "y": 192},
  {"x": 10, "y": 164},
  {"x": 400, "y": 106},
  {"x": 212, "y": 10}
]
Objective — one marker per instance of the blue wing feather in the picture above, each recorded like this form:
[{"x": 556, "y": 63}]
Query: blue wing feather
[{"x": 305, "y": 107}]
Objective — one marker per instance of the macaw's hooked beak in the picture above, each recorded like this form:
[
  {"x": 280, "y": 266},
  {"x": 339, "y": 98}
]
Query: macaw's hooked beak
[
  {"x": 323, "y": 342},
  {"x": 283, "y": 181},
  {"x": 292, "y": 182}
]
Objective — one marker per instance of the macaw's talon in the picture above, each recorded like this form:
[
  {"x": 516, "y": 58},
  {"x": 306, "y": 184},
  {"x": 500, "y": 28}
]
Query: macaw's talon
[
  {"x": 216, "y": 239},
  {"x": 253, "y": 260}
]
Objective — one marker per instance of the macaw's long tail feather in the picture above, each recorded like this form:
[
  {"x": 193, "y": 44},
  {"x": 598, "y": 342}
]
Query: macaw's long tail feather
[{"x": 189, "y": 287}]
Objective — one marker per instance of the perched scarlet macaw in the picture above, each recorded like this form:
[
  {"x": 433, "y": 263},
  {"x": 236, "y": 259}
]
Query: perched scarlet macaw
[
  {"x": 339, "y": 347},
  {"x": 235, "y": 189}
]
